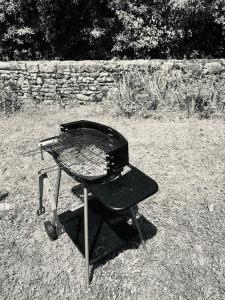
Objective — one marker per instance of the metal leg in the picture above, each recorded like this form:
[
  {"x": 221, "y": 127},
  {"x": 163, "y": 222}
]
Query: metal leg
[
  {"x": 41, "y": 209},
  {"x": 42, "y": 155},
  {"x": 138, "y": 228},
  {"x": 54, "y": 202},
  {"x": 86, "y": 235},
  {"x": 58, "y": 186}
]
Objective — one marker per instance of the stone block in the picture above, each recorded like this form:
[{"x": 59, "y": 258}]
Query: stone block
[
  {"x": 59, "y": 76},
  {"x": 95, "y": 98},
  {"x": 100, "y": 79},
  {"x": 94, "y": 75},
  {"x": 154, "y": 64},
  {"x": 48, "y": 102},
  {"x": 212, "y": 68},
  {"x": 39, "y": 80},
  {"x": 61, "y": 81},
  {"x": 47, "y": 67},
  {"x": 74, "y": 67},
  {"x": 45, "y": 75},
  {"x": 35, "y": 88},
  {"x": 33, "y": 76},
  {"x": 105, "y": 88},
  {"x": 104, "y": 74},
  {"x": 45, "y": 85},
  {"x": 48, "y": 90},
  {"x": 193, "y": 67},
  {"x": 93, "y": 88},
  {"x": 21, "y": 81},
  {"x": 5, "y": 76},
  {"x": 88, "y": 93},
  {"x": 25, "y": 89},
  {"x": 32, "y": 67},
  {"x": 49, "y": 81},
  {"x": 35, "y": 93},
  {"x": 73, "y": 80},
  {"x": 82, "y": 97},
  {"x": 62, "y": 68},
  {"x": 74, "y": 75},
  {"x": 12, "y": 66},
  {"x": 89, "y": 79}
]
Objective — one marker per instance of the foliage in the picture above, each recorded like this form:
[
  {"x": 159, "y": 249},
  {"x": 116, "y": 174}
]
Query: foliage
[
  {"x": 142, "y": 92},
  {"x": 91, "y": 29},
  {"x": 17, "y": 29},
  {"x": 9, "y": 100},
  {"x": 49, "y": 29},
  {"x": 140, "y": 28},
  {"x": 135, "y": 95}
]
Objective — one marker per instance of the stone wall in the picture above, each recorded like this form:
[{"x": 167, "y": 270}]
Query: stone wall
[{"x": 85, "y": 80}]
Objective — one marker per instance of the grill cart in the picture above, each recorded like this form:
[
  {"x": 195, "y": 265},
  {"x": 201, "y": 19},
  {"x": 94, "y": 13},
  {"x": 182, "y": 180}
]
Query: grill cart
[{"x": 95, "y": 156}]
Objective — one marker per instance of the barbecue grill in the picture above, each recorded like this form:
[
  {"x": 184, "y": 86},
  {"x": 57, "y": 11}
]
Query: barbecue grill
[
  {"x": 96, "y": 156},
  {"x": 87, "y": 150}
]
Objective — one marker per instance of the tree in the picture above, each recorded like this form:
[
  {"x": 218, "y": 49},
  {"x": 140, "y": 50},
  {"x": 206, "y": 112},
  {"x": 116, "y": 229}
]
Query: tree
[{"x": 103, "y": 29}]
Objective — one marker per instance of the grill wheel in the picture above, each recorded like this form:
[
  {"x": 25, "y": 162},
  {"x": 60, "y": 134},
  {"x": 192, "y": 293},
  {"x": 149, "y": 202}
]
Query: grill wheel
[{"x": 51, "y": 230}]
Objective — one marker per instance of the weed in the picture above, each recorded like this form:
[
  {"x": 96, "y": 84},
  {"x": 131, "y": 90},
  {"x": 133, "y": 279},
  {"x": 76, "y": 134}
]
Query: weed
[
  {"x": 9, "y": 100},
  {"x": 142, "y": 92}
]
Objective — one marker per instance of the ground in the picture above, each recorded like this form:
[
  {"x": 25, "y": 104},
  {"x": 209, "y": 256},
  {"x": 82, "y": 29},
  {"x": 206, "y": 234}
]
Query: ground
[{"x": 186, "y": 257}]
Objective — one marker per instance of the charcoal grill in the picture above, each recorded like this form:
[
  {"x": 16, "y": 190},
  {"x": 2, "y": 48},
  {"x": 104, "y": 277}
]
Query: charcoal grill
[
  {"x": 96, "y": 156},
  {"x": 88, "y": 151}
]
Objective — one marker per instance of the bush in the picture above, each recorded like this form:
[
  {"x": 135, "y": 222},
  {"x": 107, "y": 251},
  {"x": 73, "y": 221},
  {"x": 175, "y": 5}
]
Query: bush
[
  {"x": 75, "y": 29},
  {"x": 9, "y": 100},
  {"x": 134, "y": 96},
  {"x": 139, "y": 93}
]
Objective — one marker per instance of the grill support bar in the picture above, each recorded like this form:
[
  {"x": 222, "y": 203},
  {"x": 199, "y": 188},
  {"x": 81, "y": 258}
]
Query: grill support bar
[
  {"x": 54, "y": 203},
  {"x": 58, "y": 186},
  {"x": 86, "y": 235},
  {"x": 41, "y": 209},
  {"x": 53, "y": 199},
  {"x": 138, "y": 228}
]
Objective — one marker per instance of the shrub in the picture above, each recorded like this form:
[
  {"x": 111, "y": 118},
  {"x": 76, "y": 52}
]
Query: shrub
[
  {"x": 142, "y": 92},
  {"x": 9, "y": 100}
]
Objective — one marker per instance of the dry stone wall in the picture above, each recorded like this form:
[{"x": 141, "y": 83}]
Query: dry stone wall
[{"x": 51, "y": 81}]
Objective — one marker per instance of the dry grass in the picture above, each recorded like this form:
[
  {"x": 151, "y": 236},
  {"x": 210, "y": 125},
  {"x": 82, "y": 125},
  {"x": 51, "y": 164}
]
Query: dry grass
[
  {"x": 186, "y": 258},
  {"x": 140, "y": 93}
]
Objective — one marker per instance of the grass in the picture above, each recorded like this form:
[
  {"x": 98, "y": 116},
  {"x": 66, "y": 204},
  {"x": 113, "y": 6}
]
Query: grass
[
  {"x": 185, "y": 259},
  {"x": 140, "y": 93}
]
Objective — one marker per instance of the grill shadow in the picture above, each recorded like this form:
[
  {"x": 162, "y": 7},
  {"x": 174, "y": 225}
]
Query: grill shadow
[{"x": 109, "y": 232}]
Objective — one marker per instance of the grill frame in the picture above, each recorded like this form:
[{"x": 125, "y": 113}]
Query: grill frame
[{"x": 116, "y": 159}]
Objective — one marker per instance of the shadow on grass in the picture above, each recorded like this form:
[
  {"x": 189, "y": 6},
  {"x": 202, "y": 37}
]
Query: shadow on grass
[{"x": 109, "y": 231}]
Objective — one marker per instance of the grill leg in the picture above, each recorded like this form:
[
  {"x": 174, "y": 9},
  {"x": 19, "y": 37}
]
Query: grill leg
[
  {"x": 54, "y": 202},
  {"x": 138, "y": 228},
  {"x": 58, "y": 186},
  {"x": 86, "y": 236},
  {"x": 41, "y": 209}
]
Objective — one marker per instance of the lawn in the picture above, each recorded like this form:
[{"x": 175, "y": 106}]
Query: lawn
[{"x": 186, "y": 257}]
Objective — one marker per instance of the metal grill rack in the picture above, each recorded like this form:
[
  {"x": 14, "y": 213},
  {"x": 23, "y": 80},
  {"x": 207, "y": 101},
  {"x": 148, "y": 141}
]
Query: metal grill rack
[{"x": 94, "y": 155}]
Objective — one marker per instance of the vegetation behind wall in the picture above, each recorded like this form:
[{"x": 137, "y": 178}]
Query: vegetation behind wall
[{"x": 103, "y": 29}]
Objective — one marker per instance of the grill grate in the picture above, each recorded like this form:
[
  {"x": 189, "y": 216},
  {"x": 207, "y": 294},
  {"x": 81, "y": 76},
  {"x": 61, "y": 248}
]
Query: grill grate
[{"x": 83, "y": 150}]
